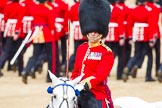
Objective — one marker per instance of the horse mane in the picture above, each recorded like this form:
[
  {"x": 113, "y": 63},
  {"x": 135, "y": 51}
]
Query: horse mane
[{"x": 86, "y": 99}]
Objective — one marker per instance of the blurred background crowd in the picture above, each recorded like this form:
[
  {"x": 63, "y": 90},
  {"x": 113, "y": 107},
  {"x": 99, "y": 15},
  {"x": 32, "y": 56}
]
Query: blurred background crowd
[{"x": 52, "y": 28}]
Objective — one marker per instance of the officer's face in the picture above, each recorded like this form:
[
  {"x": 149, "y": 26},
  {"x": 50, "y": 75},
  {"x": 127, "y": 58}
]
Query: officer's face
[{"x": 94, "y": 37}]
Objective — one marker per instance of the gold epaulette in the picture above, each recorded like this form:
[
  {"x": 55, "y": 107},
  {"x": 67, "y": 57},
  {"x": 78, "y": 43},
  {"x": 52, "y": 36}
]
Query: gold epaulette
[
  {"x": 48, "y": 6},
  {"x": 107, "y": 48}
]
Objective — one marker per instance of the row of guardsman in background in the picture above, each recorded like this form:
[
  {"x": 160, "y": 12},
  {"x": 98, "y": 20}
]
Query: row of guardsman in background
[{"x": 46, "y": 23}]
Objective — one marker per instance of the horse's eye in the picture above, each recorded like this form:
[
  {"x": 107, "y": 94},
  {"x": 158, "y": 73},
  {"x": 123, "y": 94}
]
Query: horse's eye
[{"x": 54, "y": 96}]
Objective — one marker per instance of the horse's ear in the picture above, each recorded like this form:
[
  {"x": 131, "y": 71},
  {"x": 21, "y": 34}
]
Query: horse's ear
[
  {"x": 53, "y": 77},
  {"x": 77, "y": 79}
]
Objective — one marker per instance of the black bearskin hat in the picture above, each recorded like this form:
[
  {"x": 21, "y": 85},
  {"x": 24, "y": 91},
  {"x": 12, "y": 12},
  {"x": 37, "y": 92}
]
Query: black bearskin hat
[
  {"x": 94, "y": 16},
  {"x": 116, "y": 1},
  {"x": 41, "y": 1},
  {"x": 140, "y": 1},
  {"x": 120, "y": 1},
  {"x": 112, "y": 1}
]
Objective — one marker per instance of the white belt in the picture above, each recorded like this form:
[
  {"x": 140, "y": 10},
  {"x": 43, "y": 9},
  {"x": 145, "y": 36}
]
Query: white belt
[
  {"x": 9, "y": 21},
  {"x": 27, "y": 18},
  {"x": 136, "y": 29},
  {"x": 140, "y": 25}
]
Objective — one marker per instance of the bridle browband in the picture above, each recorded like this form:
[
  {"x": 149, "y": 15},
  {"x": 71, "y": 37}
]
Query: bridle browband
[{"x": 65, "y": 97}]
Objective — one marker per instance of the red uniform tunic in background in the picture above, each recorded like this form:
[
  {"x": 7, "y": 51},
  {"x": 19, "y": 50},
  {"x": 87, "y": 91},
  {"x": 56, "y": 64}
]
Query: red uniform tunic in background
[
  {"x": 141, "y": 17},
  {"x": 155, "y": 17},
  {"x": 126, "y": 11},
  {"x": 2, "y": 5},
  {"x": 116, "y": 25},
  {"x": 73, "y": 17},
  {"x": 15, "y": 12},
  {"x": 61, "y": 18},
  {"x": 27, "y": 19},
  {"x": 44, "y": 19}
]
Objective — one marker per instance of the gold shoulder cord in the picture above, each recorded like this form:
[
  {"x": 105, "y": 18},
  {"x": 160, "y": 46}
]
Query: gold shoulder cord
[{"x": 107, "y": 48}]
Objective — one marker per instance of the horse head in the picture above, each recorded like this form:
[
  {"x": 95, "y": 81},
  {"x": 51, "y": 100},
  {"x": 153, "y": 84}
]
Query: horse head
[{"x": 64, "y": 93}]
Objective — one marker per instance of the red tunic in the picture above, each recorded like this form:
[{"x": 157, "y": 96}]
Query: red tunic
[
  {"x": 27, "y": 19},
  {"x": 61, "y": 18},
  {"x": 73, "y": 17},
  {"x": 141, "y": 17},
  {"x": 116, "y": 25},
  {"x": 126, "y": 11},
  {"x": 98, "y": 63},
  {"x": 2, "y": 5},
  {"x": 44, "y": 19},
  {"x": 59, "y": 23},
  {"x": 73, "y": 12},
  {"x": 155, "y": 17},
  {"x": 14, "y": 12}
]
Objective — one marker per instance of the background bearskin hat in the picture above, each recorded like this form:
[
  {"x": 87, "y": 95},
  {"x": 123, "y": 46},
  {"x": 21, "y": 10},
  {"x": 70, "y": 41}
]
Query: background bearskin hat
[
  {"x": 94, "y": 16},
  {"x": 120, "y": 1},
  {"x": 140, "y": 1},
  {"x": 116, "y": 1},
  {"x": 112, "y": 1},
  {"x": 41, "y": 1}
]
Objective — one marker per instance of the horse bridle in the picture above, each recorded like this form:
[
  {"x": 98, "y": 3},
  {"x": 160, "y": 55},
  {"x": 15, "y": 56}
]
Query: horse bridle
[{"x": 65, "y": 97}]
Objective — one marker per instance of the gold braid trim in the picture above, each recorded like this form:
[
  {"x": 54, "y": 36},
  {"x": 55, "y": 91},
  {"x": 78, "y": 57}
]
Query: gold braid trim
[{"x": 105, "y": 46}]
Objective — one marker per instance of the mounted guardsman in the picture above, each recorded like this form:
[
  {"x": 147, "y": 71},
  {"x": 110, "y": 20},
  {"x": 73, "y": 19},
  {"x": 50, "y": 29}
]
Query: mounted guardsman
[{"x": 94, "y": 58}]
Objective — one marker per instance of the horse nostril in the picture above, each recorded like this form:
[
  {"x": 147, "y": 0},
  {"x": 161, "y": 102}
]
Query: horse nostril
[{"x": 54, "y": 96}]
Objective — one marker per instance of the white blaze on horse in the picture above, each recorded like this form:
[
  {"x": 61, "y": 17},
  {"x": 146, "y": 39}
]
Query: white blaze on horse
[{"x": 64, "y": 92}]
